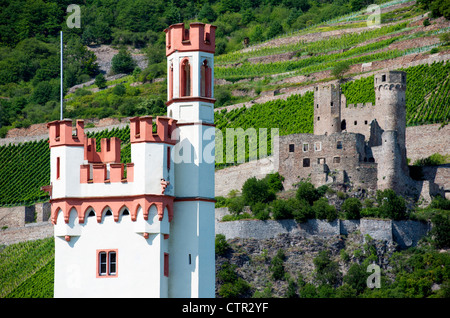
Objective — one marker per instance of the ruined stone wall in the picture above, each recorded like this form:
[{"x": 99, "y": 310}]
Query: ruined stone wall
[
  {"x": 439, "y": 175},
  {"x": 232, "y": 178},
  {"x": 423, "y": 141},
  {"x": 357, "y": 118},
  {"x": 323, "y": 159}
]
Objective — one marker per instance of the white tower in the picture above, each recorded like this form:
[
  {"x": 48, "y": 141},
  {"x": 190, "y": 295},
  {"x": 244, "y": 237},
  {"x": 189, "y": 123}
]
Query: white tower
[
  {"x": 190, "y": 62},
  {"x": 144, "y": 229}
]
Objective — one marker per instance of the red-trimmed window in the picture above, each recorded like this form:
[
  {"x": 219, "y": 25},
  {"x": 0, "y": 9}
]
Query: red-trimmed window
[
  {"x": 185, "y": 78},
  {"x": 107, "y": 263}
]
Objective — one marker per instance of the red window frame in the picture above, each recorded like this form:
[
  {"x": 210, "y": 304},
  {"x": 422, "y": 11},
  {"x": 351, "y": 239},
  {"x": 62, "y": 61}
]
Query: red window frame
[{"x": 109, "y": 263}]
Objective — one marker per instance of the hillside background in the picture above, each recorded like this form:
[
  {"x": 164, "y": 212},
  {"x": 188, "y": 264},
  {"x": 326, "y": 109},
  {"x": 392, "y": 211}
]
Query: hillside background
[{"x": 269, "y": 55}]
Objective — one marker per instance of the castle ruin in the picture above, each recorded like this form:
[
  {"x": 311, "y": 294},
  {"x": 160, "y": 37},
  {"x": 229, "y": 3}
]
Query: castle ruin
[{"x": 359, "y": 145}]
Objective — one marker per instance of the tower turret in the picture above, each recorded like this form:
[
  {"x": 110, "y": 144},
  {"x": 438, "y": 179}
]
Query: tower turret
[
  {"x": 190, "y": 69},
  {"x": 390, "y": 100},
  {"x": 327, "y": 109}
]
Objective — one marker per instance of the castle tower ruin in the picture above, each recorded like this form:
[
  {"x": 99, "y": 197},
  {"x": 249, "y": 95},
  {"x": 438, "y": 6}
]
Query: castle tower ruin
[{"x": 327, "y": 109}]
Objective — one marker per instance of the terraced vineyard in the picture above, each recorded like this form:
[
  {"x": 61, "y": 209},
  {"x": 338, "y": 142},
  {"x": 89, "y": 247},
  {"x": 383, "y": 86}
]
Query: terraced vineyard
[
  {"x": 312, "y": 53},
  {"x": 427, "y": 93},
  {"x": 27, "y": 266}
]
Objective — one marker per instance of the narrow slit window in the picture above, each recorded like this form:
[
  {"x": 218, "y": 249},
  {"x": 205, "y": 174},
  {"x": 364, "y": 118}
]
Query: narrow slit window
[
  {"x": 166, "y": 264},
  {"x": 58, "y": 167},
  {"x": 291, "y": 148}
]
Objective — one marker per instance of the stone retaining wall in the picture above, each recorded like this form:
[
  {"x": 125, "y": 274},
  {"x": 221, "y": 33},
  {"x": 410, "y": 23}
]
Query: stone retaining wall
[{"x": 404, "y": 233}]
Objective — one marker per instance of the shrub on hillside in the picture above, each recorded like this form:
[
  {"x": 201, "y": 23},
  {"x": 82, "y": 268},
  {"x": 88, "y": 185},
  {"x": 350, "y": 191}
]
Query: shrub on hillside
[
  {"x": 391, "y": 205},
  {"x": 301, "y": 210},
  {"x": 277, "y": 265},
  {"x": 441, "y": 230},
  {"x": 439, "y": 202},
  {"x": 221, "y": 244},
  {"x": 307, "y": 191},
  {"x": 260, "y": 211},
  {"x": 232, "y": 285},
  {"x": 327, "y": 270},
  {"x": 255, "y": 190},
  {"x": 352, "y": 208},
  {"x": 281, "y": 210},
  {"x": 122, "y": 62},
  {"x": 323, "y": 210}
]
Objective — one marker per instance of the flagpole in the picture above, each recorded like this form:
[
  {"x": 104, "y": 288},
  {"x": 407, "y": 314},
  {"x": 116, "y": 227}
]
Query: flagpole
[{"x": 61, "y": 89}]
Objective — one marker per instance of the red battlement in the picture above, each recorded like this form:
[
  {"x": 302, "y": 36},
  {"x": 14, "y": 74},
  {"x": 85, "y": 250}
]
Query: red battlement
[
  {"x": 200, "y": 37},
  {"x": 60, "y": 133},
  {"x": 141, "y": 129}
]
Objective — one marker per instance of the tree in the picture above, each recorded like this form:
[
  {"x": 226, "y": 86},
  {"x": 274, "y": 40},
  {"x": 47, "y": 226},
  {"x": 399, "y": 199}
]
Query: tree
[
  {"x": 340, "y": 69},
  {"x": 100, "y": 81},
  {"x": 391, "y": 205},
  {"x": 327, "y": 270},
  {"x": 122, "y": 62},
  {"x": 307, "y": 191},
  {"x": 323, "y": 210},
  {"x": 255, "y": 190},
  {"x": 274, "y": 29},
  {"x": 352, "y": 208},
  {"x": 207, "y": 13},
  {"x": 356, "y": 277},
  {"x": 441, "y": 230}
]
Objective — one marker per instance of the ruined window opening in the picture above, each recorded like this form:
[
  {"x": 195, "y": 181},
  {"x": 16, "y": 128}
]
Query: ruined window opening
[
  {"x": 339, "y": 145},
  {"x": 317, "y": 106},
  {"x": 291, "y": 148},
  {"x": 305, "y": 147},
  {"x": 343, "y": 125},
  {"x": 336, "y": 159},
  {"x": 331, "y": 104},
  {"x": 318, "y": 118},
  {"x": 356, "y": 122},
  {"x": 383, "y": 78},
  {"x": 371, "y": 159},
  {"x": 321, "y": 161},
  {"x": 317, "y": 146},
  {"x": 306, "y": 162},
  {"x": 365, "y": 122}
]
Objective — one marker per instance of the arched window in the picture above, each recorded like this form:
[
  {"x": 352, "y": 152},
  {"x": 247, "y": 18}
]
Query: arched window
[
  {"x": 171, "y": 82},
  {"x": 205, "y": 79},
  {"x": 185, "y": 80}
]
